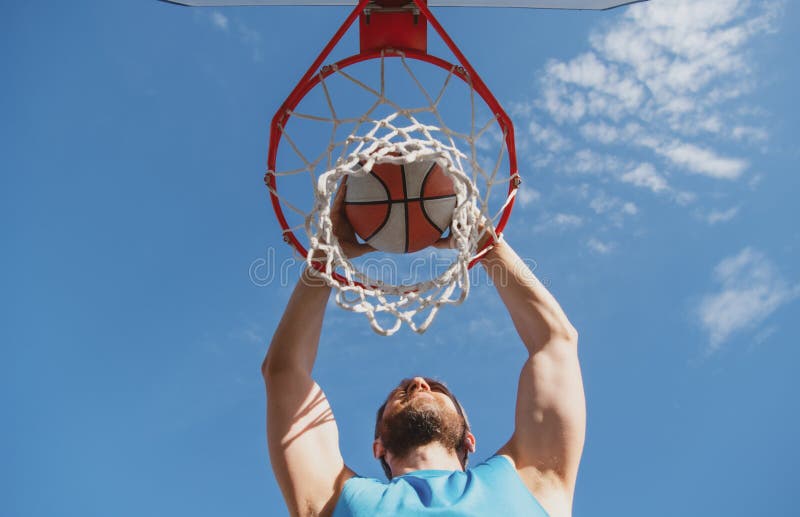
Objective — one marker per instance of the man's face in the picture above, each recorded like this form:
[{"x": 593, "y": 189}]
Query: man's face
[{"x": 420, "y": 411}]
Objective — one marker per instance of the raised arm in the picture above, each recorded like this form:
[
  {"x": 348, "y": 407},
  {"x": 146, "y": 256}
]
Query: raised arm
[
  {"x": 551, "y": 411},
  {"x": 302, "y": 434}
]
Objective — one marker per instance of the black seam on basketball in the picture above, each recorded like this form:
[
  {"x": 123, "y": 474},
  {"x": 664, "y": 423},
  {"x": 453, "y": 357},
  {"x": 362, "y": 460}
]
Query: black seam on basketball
[
  {"x": 430, "y": 221},
  {"x": 380, "y": 227},
  {"x": 425, "y": 180},
  {"x": 443, "y": 196},
  {"x": 405, "y": 205},
  {"x": 430, "y": 198},
  {"x": 388, "y": 211},
  {"x": 423, "y": 198},
  {"x": 385, "y": 188}
]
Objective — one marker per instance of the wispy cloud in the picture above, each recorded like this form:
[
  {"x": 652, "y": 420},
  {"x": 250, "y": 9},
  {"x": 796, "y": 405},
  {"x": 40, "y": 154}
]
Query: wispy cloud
[
  {"x": 600, "y": 247},
  {"x": 558, "y": 222},
  {"x": 587, "y": 161},
  {"x": 748, "y": 133},
  {"x": 612, "y": 207},
  {"x": 219, "y": 20},
  {"x": 721, "y": 216},
  {"x": 548, "y": 137},
  {"x": 702, "y": 161},
  {"x": 750, "y": 289},
  {"x": 645, "y": 176},
  {"x": 527, "y": 196},
  {"x": 663, "y": 95},
  {"x": 250, "y": 38}
]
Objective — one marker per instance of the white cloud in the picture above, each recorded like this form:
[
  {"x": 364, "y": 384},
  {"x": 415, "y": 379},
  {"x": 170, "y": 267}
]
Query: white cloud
[
  {"x": 559, "y": 221},
  {"x": 567, "y": 220},
  {"x": 703, "y": 161},
  {"x": 679, "y": 47},
  {"x": 250, "y": 38},
  {"x": 609, "y": 90},
  {"x": 219, "y": 20},
  {"x": 629, "y": 208},
  {"x": 527, "y": 195},
  {"x": 562, "y": 104},
  {"x": 750, "y": 289},
  {"x": 549, "y": 137},
  {"x": 645, "y": 176},
  {"x": 602, "y": 203},
  {"x": 587, "y": 161},
  {"x": 670, "y": 84},
  {"x": 600, "y": 132},
  {"x": 584, "y": 70},
  {"x": 752, "y": 134},
  {"x": 613, "y": 207},
  {"x": 716, "y": 216},
  {"x": 604, "y": 133},
  {"x": 600, "y": 247}
]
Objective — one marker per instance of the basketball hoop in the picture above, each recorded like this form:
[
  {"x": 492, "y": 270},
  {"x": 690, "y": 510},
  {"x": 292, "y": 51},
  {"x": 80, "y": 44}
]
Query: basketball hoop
[{"x": 387, "y": 130}]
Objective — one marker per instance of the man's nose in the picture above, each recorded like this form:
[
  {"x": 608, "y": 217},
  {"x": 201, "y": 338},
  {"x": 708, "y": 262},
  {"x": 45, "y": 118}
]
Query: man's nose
[{"x": 418, "y": 383}]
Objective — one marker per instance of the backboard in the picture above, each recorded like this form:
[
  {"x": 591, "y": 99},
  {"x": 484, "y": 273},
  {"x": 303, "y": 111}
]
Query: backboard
[{"x": 532, "y": 4}]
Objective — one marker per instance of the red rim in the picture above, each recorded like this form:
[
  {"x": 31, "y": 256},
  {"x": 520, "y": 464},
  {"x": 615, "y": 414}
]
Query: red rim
[{"x": 315, "y": 75}]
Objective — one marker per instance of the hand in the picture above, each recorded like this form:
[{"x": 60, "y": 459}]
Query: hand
[
  {"x": 447, "y": 243},
  {"x": 342, "y": 228}
]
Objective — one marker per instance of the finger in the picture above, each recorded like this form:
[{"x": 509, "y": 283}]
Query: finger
[
  {"x": 353, "y": 250},
  {"x": 338, "y": 199},
  {"x": 445, "y": 243},
  {"x": 365, "y": 248}
]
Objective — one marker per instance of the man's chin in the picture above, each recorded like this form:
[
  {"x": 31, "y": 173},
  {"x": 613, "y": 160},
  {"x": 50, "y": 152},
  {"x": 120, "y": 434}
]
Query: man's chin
[
  {"x": 424, "y": 403},
  {"x": 423, "y": 395}
]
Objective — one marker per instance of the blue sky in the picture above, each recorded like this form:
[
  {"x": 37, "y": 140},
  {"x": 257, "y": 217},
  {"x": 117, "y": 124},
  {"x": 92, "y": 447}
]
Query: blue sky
[{"x": 658, "y": 148}]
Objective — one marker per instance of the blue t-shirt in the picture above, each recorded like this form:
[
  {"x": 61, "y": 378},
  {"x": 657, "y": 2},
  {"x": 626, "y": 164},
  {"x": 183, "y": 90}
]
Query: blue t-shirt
[{"x": 489, "y": 489}]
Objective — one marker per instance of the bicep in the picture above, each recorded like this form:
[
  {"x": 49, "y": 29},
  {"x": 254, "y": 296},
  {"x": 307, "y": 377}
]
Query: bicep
[
  {"x": 303, "y": 443},
  {"x": 550, "y": 420}
]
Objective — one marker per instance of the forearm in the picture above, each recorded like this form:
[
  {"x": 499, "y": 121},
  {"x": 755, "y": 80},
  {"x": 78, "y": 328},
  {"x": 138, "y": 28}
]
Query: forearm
[
  {"x": 536, "y": 314},
  {"x": 295, "y": 342}
]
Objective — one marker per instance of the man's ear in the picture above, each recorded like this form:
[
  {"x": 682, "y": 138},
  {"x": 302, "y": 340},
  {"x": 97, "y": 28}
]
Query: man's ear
[
  {"x": 469, "y": 442},
  {"x": 378, "y": 450}
]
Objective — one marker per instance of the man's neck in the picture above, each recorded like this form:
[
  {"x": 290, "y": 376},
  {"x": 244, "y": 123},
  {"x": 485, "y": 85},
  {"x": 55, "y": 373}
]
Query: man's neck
[{"x": 432, "y": 456}]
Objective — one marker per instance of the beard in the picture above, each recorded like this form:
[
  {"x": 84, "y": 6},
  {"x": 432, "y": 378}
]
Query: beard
[{"x": 421, "y": 422}]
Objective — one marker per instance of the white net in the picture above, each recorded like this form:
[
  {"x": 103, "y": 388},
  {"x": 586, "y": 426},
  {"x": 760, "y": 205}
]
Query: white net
[{"x": 374, "y": 124}]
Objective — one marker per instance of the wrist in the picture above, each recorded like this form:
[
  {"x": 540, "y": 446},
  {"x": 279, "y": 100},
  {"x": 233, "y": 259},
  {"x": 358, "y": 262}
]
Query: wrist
[
  {"x": 311, "y": 278},
  {"x": 493, "y": 248}
]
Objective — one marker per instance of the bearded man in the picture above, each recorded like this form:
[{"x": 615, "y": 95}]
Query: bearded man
[{"x": 422, "y": 435}]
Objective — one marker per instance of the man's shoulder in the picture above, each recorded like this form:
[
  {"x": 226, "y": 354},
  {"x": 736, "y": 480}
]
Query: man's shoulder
[
  {"x": 358, "y": 493},
  {"x": 548, "y": 489}
]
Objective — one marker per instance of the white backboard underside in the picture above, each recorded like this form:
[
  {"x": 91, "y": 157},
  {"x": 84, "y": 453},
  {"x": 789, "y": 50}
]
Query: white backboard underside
[{"x": 534, "y": 4}]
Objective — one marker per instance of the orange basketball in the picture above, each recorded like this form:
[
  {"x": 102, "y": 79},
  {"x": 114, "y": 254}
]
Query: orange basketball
[{"x": 401, "y": 208}]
